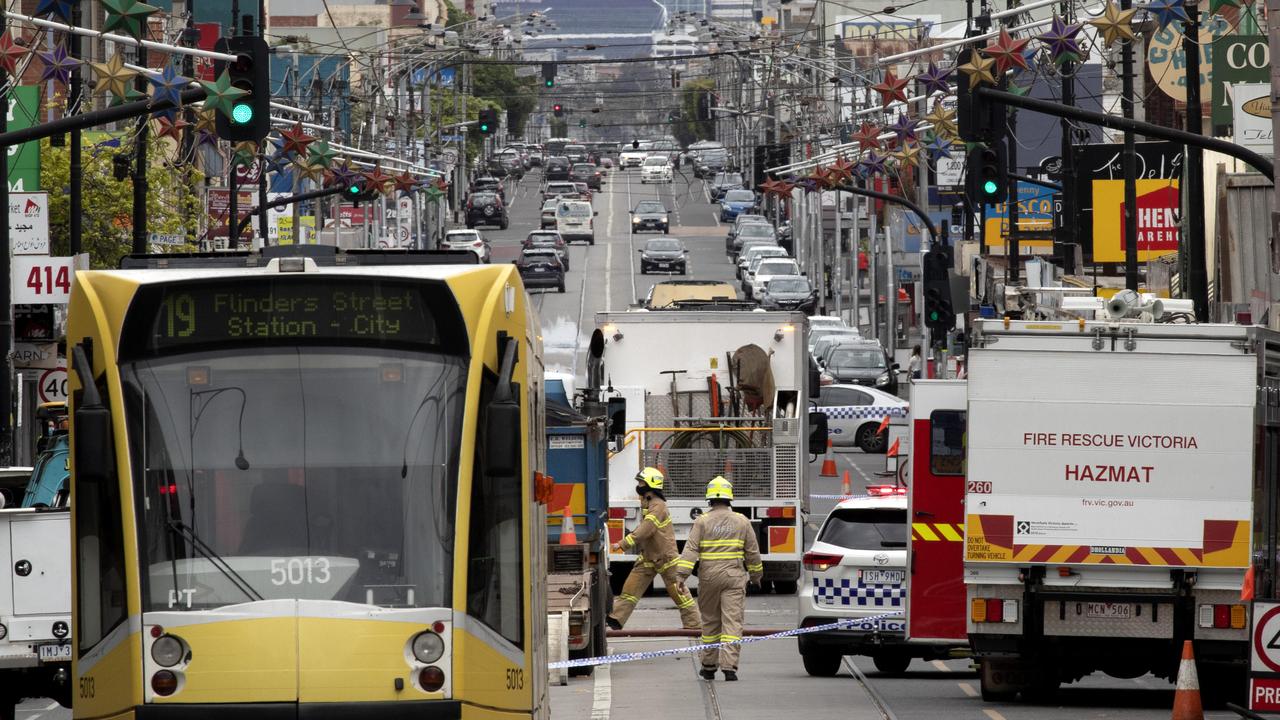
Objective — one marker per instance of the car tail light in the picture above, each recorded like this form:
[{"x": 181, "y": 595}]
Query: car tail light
[
  {"x": 820, "y": 562},
  {"x": 431, "y": 678},
  {"x": 478, "y": 243},
  {"x": 164, "y": 683}
]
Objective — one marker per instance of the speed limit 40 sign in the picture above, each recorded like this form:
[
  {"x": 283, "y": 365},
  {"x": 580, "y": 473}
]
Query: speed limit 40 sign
[{"x": 53, "y": 385}]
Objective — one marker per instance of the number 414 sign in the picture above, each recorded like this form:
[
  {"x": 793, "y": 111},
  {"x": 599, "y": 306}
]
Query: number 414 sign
[{"x": 40, "y": 280}]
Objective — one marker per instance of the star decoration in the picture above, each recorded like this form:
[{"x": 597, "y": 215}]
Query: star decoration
[
  {"x": 440, "y": 184},
  {"x": 343, "y": 175},
  {"x": 406, "y": 183},
  {"x": 378, "y": 180},
  {"x": 206, "y": 137},
  {"x": 872, "y": 164},
  {"x": 1060, "y": 40},
  {"x": 170, "y": 128},
  {"x": 1167, "y": 11},
  {"x": 979, "y": 70},
  {"x": 168, "y": 86},
  {"x": 221, "y": 95},
  {"x": 942, "y": 119},
  {"x": 113, "y": 77},
  {"x": 244, "y": 153},
  {"x": 840, "y": 171},
  {"x": 434, "y": 194},
  {"x": 128, "y": 97},
  {"x": 938, "y": 147},
  {"x": 1007, "y": 52},
  {"x": 891, "y": 88},
  {"x": 935, "y": 79},
  {"x": 57, "y": 65},
  {"x": 1114, "y": 24},
  {"x": 1216, "y": 5},
  {"x": 867, "y": 137},
  {"x": 321, "y": 154},
  {"x": 11, "y": 53},
  {"x": 309, "y": 170},
  {"x": 296, "y": 139},
  {"x": 206, "y": 121},
  {"x": 60, "y": 9},
  {"x": 908, "y": 154},
  {"x": 904, "y": 127},
  {"x": 128, "y": 15}
]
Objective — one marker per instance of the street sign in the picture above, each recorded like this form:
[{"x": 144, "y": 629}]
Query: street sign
[
  {"x": 1264, "y": 656},
  {"x": 29, "y": 223},
  {"x": 1237, "y": 59},
  {"x": 39, "y": 280},
  {"x": 35, "y": 355},
  {"x": 950, "y": 171},
  {"x": 449, "y": 156},
  {"x": 34, "y": 323},
  {"x": 53, "y": 385},
  {"x": 453, "y": 138},
  {"x": 249, "y": 174},
  {"x": 1251, "y": 117},
  {"x": 1167, "y": 62}
]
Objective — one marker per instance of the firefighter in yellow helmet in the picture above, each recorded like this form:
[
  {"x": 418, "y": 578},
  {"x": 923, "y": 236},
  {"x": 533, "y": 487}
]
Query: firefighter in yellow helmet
[
  {"x": 726, "y": 545},
  {"x": 654, "y": 543}
]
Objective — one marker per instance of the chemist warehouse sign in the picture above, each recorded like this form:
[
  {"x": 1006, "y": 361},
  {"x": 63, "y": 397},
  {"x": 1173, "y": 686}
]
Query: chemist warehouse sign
[{"x": 1100, "y": 185}]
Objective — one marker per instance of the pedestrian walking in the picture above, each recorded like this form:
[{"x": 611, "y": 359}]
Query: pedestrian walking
[
  {"x": 915, "y": 365},
  {"x": 725, "y": 545},
  {"x": 654, "y": 542}
]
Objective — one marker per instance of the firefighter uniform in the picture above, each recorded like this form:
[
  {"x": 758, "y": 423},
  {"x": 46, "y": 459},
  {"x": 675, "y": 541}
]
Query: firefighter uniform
[
  {"x": 654, "y": 542},
  {"x": 726, "y": 545}
]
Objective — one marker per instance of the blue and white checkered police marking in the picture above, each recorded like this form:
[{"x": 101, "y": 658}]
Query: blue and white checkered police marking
[
  {"x": 845, "y": 592},
  {"x": 851, "y": 412},
  {"x": 845, "y": 624}
]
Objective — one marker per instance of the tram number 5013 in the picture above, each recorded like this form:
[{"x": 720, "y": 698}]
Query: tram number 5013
[
  {"x": 300, "y": 571},
  {"x": 515, "y": 679}
]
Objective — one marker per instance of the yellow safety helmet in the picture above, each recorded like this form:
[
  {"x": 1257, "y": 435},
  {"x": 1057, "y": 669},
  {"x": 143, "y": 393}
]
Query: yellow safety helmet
[
  {"x": 650, "y": 477},
  {"x": 719, "y": 489}
]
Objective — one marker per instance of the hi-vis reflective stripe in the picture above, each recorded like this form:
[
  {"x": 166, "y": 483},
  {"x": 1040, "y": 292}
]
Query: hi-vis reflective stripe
[
  {"x": 755, "y": 567},
  {"x": 654, "y": 519},
  {"x": 937, "y": 532},
  {"x": 687, "y": 602},
  {"x": 673, "y": 562},
  {"x": 710, "y": 642},
  {"x": 681, "y": 562},
  {"x": 721, "y": 543},
  {"x": 726, "y": 555},
  {"x": 628, "y": 598}
]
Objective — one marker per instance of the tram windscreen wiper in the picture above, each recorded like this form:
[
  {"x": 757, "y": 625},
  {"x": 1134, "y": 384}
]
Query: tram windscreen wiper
[{"x": 186, "y": 533}]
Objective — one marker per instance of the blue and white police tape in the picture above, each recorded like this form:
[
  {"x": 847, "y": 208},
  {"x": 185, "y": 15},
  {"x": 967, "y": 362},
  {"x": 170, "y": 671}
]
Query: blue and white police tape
[{"x": 687, "y": 649}]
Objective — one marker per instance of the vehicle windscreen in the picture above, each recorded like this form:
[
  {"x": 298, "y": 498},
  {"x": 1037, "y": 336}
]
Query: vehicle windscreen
[
  {"x": 866, "y": 529},
  {"x": 729, "y": 179},
  {"x": 575, "y": 210},
  {"x": 740, "y": 196},
  {"x": 575, "y": 150},
  {"x": 295, "y": 439},
  {"x": 650, "y": 207},
  {"x": 852, "y": 358},
  {"x": 584, "y": 168},
  {"x": 758, "y": 230},
  {"x": 789, "y": 285},
  {"x": 662, "y": 246},
  {"x": 655, "y": 161},
  {"x": 542, "y": 239},
  {"x": 713, "y": 155},
  {"x": 777, "y": 268},
  {"x": 461, "y": 237}
]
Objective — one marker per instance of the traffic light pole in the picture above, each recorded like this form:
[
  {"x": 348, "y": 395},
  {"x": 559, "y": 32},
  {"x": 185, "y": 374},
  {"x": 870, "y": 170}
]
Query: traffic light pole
[
  {"x": 142, "y": 137},
  {"x": 1129, "y": 160}
]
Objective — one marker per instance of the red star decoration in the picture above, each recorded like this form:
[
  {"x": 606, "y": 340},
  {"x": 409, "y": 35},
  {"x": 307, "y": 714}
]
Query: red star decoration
[
  {"x": 839, "y": 171},
  {"x": 892, "y": 88},
  {"x": 378, "y": 180},
  {"x": 11, "y": 53},
  {"x": 868, "y": 137},
  {"x": 1007, "y": 52},
  {"x": 406, "y": 182},
  {"x": 296, "y": 140},
  {"x": 166, "y": 127},
  {"x": 771, "y": 187},
  {"x": 441, "y": 184},
  {"x": 820, "y": 179}
]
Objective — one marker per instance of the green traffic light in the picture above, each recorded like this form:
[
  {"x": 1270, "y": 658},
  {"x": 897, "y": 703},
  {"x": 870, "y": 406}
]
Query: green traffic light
[
  {"x": 354, "y": 189},
  {"x": 990, "y": 187},
  {"x": 484, "y": 128},
  {"x": 242, "y": 113},
  {"x": 551, "y": 83},
  {"x": 933, "y": 316}
]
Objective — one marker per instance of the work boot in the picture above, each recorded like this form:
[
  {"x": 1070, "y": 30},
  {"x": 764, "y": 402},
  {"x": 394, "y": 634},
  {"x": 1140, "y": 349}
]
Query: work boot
[
  {"x": 730, "y": 675},
  {"x": 613, "y": 624},
  {"x": 708, "y": 673}
]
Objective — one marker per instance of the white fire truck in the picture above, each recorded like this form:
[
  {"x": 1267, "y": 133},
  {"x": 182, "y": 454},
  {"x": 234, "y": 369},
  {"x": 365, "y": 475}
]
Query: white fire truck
[
  {"x": 1118, "y": 474},
  {"x": 705, "y": 392}
]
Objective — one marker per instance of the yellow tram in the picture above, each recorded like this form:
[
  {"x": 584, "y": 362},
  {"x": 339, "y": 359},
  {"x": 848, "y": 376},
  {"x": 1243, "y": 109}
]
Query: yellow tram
[{"x": 303, "y": 487}]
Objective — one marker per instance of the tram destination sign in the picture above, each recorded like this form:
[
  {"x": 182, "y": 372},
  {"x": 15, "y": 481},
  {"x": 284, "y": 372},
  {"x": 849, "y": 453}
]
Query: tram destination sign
[{"x": 182, "y": 316}]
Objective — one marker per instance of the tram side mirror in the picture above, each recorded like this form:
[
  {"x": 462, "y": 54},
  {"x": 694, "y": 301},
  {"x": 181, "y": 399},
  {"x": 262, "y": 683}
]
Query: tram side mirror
[
  {"x": 817, "y": 433},
  {"x": 94, "y": 457},
  {"x": 502, "y": 438}
]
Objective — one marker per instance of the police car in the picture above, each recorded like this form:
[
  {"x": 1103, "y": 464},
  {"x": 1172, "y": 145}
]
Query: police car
[
  {"x": 854, "y": 414},
  {"x": 856, "y": 570}
]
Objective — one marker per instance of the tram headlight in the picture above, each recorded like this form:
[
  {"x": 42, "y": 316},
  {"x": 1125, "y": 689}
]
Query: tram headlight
[
  {"x": 428, "y": 647},
  {"x": 167, "y": 651}
]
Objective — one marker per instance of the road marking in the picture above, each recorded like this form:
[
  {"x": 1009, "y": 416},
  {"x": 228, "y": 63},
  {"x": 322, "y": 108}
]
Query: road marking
[
  {"x": 582, "y": 302},
  {"x": 992, "y": 714},
  {"x": 940, "y": 665},
  {"x": 608, "y": 276},
  {"x": 968, "y": 689},
  {"x": 603, "y": 694},
  {"x": 631, "y": 248},
  {"x": 863, "y": 473}
]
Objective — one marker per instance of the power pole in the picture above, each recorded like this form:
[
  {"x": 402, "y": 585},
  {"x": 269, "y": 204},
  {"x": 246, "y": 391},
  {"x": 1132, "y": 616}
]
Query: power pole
[
  {"x": 6, "y": 295},
  {"x": 142, "y": 137},
  {"x": 76, "y": 229},
  {"x": 1066, "y": 229},
  {"x": 1193, "y": 241},
  {"x": 1129, "y": 160}
]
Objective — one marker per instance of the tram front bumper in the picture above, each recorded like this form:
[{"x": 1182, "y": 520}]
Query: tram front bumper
[{"x": 408, "y": 710}]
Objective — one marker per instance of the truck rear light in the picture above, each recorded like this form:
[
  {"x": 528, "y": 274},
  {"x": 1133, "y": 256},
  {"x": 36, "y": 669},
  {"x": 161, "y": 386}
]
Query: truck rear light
[
  {"x": 820, "y": 562},
  {"x": 1206, "y": 616},
  {"x": 780, "y": 512},
  {"x": 978, "y": 610},
  {"x": 617, "y": 513},
  {"x": 995, "y": 611},
  {"x": 1239, "y": 617},
  {"x": 1221, "y": 616},
  {"x": 1011, "y": 611}
]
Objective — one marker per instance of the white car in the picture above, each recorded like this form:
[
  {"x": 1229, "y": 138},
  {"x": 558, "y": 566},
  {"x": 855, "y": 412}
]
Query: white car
[
  {"x": 769, "y": 269},
  {"x": 854, "y": 414},
  {"x": 633, "y": 157},
  {"x": 655, "y": 169},
  {"x": 825, "y": 321},
  {"x": 759, "y": 251},
  {"x": 818, "y": 331},
  {"x": 856, "y": 570},
  {"x": 467, "y": 240}
]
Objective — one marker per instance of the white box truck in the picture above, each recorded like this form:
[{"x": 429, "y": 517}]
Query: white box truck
[
  {"x": 1116, "y": 477},
  {"x": 706, "y": 393}
]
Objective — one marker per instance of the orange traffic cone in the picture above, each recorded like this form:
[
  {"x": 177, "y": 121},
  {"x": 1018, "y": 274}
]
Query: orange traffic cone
[
  {"x": 568, "y": 536},
  {"x": 893, "y": 449},
  {"x": 884, "y": 424},
  {"x": 829, "y": 464},
  {"x": 845, "y": 488},
  {"x": 1186, "y": 699}
]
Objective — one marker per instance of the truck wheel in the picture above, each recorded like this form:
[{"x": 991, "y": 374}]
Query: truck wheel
[
  {"x": 785, "y": 587},
  {"x": 891, "y": 663},
  {"x": 993, "y": 691},
  {"x": 871, "y": 441},
  {"x": 821, "y": 663}
]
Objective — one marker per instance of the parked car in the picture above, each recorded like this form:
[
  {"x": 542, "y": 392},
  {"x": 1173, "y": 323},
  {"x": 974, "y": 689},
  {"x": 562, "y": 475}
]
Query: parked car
[
  {"x": 754, "y": 231},
  {"x": 768, "y": 269},
  {"x": 860, "y": 363},
  {"x": 496, "y": 167},
  {"x": 854, "y": 414},
  {"x": 817, "y": 322},
  {"x": 827, "y": 338},
  {"x": 722, "y": 183},
  {"x": 757, "y": 250},
  {"x": 513, "y": 162},
  {"x": 486, "y": 208},
  {"x": 468, "y": 240},
  {"x": 710, "y": 162},
  {"x": 790, "y": 293},
  {"x": 664, "y": 255},
  {"x": 549, "y": 239},
  {"x": 656, "y": 168},
  {"x": 557, "y": 167},
  {"x": 738, "y": 222},
  {"x": 576, "y": 221},
  {"x": 650, "y": 215},
  {"x": 541, "y": 267},
  {"x": 735, "y": 202},
  {"x": 548, "y": 219},
  {"x": 586, "y": 173},
  {"x": 559, "y": 188}
]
